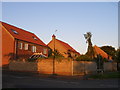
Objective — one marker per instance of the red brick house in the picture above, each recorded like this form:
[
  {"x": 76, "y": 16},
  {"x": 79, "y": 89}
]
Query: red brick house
[
  {"x": 18, "y": 43},
  {"x": 63, "y": 48}
]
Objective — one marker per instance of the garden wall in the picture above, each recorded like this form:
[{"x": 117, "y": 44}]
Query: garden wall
[
  {"x": 79, "y": 67},
  {"x": 64, "y": 67},
  {"x": 45, "y": 66},
  {"x": 23, "y": 66},
  {"x": 61, "y": 67},
  {"x": 110, "y": 66}
]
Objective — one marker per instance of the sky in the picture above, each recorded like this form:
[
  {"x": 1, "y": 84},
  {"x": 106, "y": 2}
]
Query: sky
[{"x": 70, "y": 19}]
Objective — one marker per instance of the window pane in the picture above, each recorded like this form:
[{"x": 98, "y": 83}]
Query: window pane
[
  {"x": 45, "y": 51},
  {"x": 20, "y": 45},
  {"x": 33, "y": 48},
  {"x": 15, "y": 32},
  {"x": 26, "y": 46}
]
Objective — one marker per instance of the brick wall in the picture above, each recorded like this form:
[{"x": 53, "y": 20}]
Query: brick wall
[
  {"x": 79, "y": 67},
  {"x": 7, "y": 46},
  {"x": 45, "y": 66},
  {"x": 64, "y": 67},
  {"x": 90, "y": 67},
  {"x": 58, "y": 47},
  {"x": 22, "y": 53},
  {"x": 23, "y": 66},
  {"x": 109, "y": 66}
]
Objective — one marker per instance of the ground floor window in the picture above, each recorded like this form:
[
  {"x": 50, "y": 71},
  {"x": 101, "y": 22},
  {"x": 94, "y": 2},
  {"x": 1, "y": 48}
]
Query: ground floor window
[
  {"x": 26, "y": 46},
  {"x": 33, "y": 48},
  {"x": 20, "y": 45}
]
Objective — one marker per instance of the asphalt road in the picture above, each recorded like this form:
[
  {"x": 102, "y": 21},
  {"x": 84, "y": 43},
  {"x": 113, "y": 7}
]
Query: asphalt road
[{"x": 23, "y": 80}]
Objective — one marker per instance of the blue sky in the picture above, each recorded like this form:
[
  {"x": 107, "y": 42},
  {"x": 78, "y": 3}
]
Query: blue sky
[{"x": 71, "y": 19}]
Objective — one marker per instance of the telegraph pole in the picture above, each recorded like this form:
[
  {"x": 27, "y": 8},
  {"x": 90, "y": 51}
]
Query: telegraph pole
[
  {"x": 54, "y": 59},
  {"x": 54, "y": 54}
]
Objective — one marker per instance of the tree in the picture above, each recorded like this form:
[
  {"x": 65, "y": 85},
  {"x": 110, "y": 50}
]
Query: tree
[
  {"x": 99, "y": 62},
  {"x": 49, "y": 52},
  {"x": 109, "y": 50},
  {"x": 90, "y": 51},
  {"x": 118, "y": 55},
  {"x": 57, "y": 55},
  {"x": 117, "y": 58}
]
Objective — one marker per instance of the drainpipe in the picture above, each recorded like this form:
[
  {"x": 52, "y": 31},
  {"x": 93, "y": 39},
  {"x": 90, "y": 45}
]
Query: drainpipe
[{"x": 16, "y": 48}]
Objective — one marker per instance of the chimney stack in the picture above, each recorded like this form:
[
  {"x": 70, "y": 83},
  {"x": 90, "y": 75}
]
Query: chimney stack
[{"x": 53, "y": 37}]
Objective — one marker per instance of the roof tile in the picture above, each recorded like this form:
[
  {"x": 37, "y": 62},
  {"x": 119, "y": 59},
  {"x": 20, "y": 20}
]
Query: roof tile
[
  {"x": 67, "y": 46},
  {"x": 22, "y": 34},
  {"x": 100, "y": 51}
]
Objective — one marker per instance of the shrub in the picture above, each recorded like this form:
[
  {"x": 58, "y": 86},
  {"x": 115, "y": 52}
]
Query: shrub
[
  {"x": 84, "y": 58},
  {"x": 58, "y": 56},
  {"x": 105, "y": 60},
  {"x": 31, "y": 59}
]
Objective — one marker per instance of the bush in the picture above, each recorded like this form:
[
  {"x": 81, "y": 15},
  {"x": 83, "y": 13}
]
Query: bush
[
  {"x": 31, "y": 59},
  {"x": 59, "y": 58},
  {"x": 84, "y": 58},
  {"x": 105, "y": 60}
]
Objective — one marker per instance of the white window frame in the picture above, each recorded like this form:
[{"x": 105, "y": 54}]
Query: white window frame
[
  {"x": 45, "y": 51},
  {"x": 21, "y": 45},
  {"x": 26, "y": 46},
  {"x": 33, "y": 48}
]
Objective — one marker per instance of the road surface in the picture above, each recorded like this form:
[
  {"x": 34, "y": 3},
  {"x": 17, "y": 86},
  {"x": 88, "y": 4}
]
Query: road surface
[{"x": 22, "y": 80}]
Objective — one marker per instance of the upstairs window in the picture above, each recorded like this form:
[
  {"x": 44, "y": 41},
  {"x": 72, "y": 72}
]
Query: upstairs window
[
  {"x": 34, "y": 38},
  {"x": 26, "y": 46},
  {"x": 44, "y": 51},
  {"x": 20, "y": 45},
  {"x": 33, "y": 48},
  {"x": 15, "y": 32}
]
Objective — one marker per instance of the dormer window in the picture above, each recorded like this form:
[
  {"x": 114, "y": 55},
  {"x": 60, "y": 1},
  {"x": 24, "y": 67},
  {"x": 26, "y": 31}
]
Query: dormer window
[
  {"x": 35, "y": 38},
  {"x": 15, "y": 32}
]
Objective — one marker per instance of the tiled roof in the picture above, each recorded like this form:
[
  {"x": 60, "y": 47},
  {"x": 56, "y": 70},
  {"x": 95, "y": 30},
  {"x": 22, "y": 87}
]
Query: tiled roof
[
  {"x": 67, "y": 46},
  {"x": 100, "y": 51},
  {"x": 22, "y": 34}
]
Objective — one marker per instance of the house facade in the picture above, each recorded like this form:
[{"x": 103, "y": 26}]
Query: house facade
[
  {"x": 18, "y": 43},
  {"x": 63, "y": 48}
]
